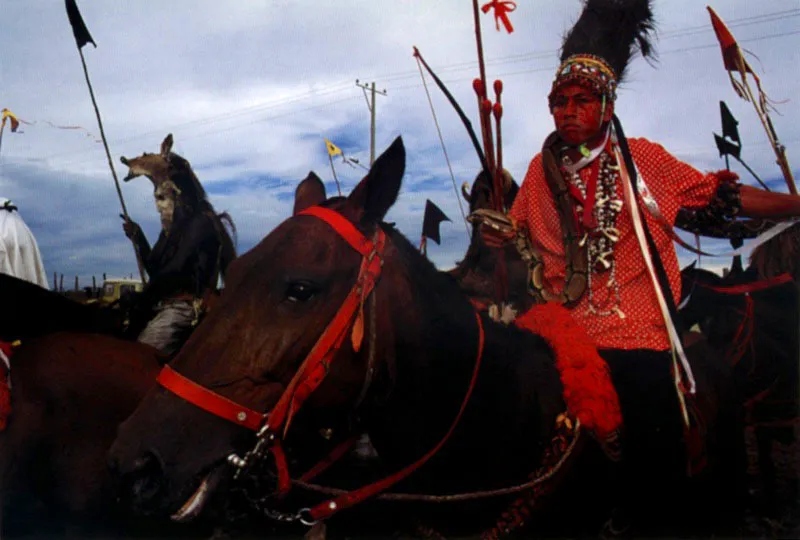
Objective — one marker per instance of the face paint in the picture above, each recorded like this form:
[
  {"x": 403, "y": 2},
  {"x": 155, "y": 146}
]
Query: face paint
[
  {"x": 578, "y": 113},
  {"x": 166, "y": 195}
]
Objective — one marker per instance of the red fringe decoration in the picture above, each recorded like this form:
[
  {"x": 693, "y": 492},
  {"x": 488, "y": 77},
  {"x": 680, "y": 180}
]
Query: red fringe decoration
[
  {"x": 588, "y": 391},
  {"x": 744, "y": 333}
]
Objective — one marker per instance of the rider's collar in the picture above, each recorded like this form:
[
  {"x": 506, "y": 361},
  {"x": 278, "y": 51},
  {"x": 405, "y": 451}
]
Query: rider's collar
[{"x": 588, "y": 156}]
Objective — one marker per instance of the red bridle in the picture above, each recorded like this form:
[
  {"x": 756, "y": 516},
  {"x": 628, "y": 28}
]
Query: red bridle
[
  {"x": 312, "y": 372},
  {"x": 316, "y": 365}
]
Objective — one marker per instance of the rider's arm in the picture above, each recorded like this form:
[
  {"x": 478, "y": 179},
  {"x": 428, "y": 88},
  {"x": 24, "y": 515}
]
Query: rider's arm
[
  {"x": 758, "y": 203},
  {"x": 134, "y": 232}
]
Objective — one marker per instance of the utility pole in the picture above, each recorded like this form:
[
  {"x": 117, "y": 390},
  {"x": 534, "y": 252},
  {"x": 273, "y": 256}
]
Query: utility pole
[{"x": 371, "y": 107}]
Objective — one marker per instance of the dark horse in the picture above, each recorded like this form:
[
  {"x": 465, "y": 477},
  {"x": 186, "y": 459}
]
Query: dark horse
[
  {"x": 403, "y": 387},
  {"x": 485, "y": 274},
  {"x": 758, "y": 333}
]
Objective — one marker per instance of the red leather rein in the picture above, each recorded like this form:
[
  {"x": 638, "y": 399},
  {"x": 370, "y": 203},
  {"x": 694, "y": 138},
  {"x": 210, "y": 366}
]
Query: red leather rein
[{"x": 272, "y": 425}]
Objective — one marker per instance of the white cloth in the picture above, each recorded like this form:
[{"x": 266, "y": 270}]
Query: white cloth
[{"x": 19, "y": 252}]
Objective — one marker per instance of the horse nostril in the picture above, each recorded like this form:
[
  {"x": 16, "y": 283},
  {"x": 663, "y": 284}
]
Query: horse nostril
[{"x": 143, "y": 482}]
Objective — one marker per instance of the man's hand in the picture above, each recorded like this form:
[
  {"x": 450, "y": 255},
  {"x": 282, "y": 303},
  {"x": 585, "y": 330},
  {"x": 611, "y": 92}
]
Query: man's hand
[
  {"x": 493, "y": 237},
  {"x": 131, "y": 228},
  {"x": 496, "y": 229}
]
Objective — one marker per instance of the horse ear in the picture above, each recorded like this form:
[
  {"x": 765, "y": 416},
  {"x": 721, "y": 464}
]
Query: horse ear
[
  {"x": 166, "y": 146},
  {"x": 310, "y": 192},
  {"x": 377, "y": 192}
]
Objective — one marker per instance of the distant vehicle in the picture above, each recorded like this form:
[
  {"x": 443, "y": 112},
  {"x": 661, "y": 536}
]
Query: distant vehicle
[{"x": 116, "y": 288}]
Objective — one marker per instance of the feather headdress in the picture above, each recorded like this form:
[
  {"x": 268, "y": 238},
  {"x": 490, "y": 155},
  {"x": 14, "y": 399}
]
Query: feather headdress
[{"x": 598, "y": 48}]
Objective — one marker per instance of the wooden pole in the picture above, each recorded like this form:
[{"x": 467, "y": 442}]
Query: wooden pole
[
  {"x": 371, "y": 107},
  {"x": 110, "y": 161},
  {"x": 2, "y": 128},
  {"x": 333, "y": 170},
  {"x": 779, "y": 149}
]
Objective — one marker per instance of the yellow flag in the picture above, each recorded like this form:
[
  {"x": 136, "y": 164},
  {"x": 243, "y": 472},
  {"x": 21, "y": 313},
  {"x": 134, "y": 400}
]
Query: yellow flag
[
  {"x": 333, "y": 150},
  {"x": 14, "y": 121}
]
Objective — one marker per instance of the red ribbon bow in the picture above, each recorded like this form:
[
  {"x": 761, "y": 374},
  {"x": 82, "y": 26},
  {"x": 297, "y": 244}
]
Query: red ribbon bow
[{"x": 501, "y": 10}]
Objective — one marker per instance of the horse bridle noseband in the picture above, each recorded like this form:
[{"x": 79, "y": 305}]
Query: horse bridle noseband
[{"x": 271, "y": 426}]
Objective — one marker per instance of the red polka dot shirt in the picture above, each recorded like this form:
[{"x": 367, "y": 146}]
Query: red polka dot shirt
[{"x": 673, "y": 184}]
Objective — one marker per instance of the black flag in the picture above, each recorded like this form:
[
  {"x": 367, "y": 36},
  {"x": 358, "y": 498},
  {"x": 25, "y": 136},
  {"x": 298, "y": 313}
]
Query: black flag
[
  {"x": 729, "y": 124},
  {"x": 82, "y": 35},
  {"x": 430, "y": 223},
  {"x": 727, "y": 148}
]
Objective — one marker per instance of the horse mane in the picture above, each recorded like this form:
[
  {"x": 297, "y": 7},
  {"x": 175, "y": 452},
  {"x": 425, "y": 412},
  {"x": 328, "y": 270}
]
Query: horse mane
[
  {"x": 194, "y": 199},
  {"x": 778, "y": 255}
]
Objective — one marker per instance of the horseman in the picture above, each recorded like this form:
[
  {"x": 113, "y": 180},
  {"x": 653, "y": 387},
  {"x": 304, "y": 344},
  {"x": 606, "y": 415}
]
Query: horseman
[
  {"x": 190, "y": 256},
  {"x": 598, "y": 209}
]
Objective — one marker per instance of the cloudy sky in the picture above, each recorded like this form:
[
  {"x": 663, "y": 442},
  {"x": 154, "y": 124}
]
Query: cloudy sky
[{"x": 249, "y": 90}]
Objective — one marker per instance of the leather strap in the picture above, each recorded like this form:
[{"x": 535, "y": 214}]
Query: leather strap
[
  {"x": 577, "y": 257},
  {"x": 208, "y": 400},
  {"x": 748, "y": 288},
  {"x": 328, "y": 508},
  {"x": 341, "y": 225}
]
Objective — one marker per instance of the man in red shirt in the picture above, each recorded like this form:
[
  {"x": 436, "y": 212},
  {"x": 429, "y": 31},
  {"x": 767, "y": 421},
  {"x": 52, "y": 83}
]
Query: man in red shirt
[{"x": 599, "y": 209}]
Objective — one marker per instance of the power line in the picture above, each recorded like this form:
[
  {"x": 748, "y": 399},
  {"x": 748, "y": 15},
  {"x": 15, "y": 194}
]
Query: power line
[{"x": 336, "y": 88}]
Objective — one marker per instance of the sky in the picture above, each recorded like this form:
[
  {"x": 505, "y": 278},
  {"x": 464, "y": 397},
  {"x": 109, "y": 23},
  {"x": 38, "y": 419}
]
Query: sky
[{"x": 249, "y": 90}]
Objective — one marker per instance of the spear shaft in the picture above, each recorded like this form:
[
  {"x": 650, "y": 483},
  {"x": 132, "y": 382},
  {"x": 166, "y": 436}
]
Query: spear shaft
[{"x": 110, "y": 162}]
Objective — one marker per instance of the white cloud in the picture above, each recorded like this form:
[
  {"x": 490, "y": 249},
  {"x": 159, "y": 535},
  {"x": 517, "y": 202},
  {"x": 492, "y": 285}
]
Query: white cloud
[{"x": 249, "y": 88}]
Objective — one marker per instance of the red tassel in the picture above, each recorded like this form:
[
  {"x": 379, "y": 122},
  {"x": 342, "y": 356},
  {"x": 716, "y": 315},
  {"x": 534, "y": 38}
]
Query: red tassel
[{"x": 588, "y": 391}]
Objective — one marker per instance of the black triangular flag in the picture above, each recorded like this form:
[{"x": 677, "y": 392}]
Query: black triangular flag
[
  {"x": 729, "y": 123},
  {"x": 727, "y": 148},
  {"x": 430, "y": 223},
  {"x": 82, "y": 35}
]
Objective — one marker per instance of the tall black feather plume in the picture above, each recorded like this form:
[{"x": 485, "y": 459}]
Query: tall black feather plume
[{"x": 614, "y": 30}]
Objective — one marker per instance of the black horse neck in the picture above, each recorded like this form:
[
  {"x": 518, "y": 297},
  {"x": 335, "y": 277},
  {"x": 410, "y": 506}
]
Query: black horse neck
[{"x": 431, "y": 340}]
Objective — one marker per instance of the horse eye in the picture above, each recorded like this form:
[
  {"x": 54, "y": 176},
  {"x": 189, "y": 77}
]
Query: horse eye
[{"x": 300, "y": 291}]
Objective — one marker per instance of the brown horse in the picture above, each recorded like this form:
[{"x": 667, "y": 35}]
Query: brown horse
[
  {"x": 69, "y": 393},
  {"x": 403, "y": 386}
]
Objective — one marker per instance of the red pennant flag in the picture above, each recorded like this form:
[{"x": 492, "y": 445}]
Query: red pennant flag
[
  {"x": 731, "y": 53},
  {"x": 734, "y": 61}
]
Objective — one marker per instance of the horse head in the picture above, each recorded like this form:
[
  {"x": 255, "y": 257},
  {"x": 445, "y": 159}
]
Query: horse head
[
  {"x": 481, "y": 194},
  {"x": 278, "y": 299},
  {"x": 477, "y": 274},
  {"x": 336, "y": 323}
]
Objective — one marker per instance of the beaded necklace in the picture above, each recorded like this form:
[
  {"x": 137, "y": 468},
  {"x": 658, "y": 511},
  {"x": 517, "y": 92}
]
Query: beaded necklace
[{"x": 603, "y": 237}]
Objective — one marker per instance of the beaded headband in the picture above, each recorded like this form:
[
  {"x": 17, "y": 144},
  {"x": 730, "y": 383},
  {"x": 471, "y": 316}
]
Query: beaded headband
[{"x": 589, "y": 70}]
